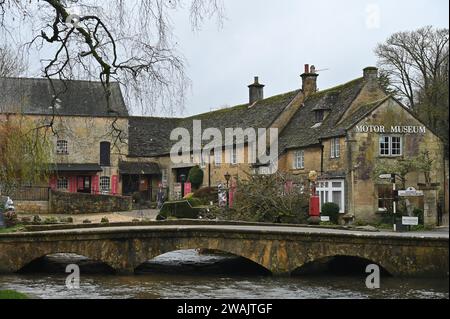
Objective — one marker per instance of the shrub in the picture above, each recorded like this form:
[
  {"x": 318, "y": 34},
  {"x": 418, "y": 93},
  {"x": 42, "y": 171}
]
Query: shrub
[
  {"x": 188, "y": 196},
  {"x": 331, "y": 210},
  {"x": 10, "y": 219},
  {"x": 419, "y": 213},
  {"x": 68, "y": 220},
  {"x": 136, "y": 221},
  {"x": 178, "y": 209},
  {"x": 37, "y": 220},
  {"x": 51, "y": 221},
  {"x": 25, "y": 220},
  {"x": 195, "y": 177},
  {"x": 195, "y": 202},
  {"x": 104, "y": 220},
  {"x": 207, "y": 195},
  {"x": 265, "y": 198}
]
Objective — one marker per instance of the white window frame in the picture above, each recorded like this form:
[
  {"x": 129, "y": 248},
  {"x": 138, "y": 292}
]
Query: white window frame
[
  {"x": 328, "y": 190},
  {"x": 299, "y": 159},
  {"x": 335, "y": 151},
  {"x": 218, "y": 158},
  {"x": 390, "y": 145},
  {"x": 61, "y": 181},
  {"x": 234, "y": 155},
  {"x": 103, "y": 190},
  {"x": 62, "y": 147}
]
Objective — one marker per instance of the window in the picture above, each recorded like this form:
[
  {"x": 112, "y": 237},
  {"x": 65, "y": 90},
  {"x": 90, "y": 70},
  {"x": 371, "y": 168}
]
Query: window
[
  {"x": 385, "y": 199},
  {"x": 331, "y": 192},
  {"x": 391, "y": 145},
  {"x": 234, "y": 155},
  {"x": 61, "y": 147},
  {"x": 218, "y": 158},
  {"x": 319, "y": 116},
  {"x": 335, "y": 148},
  {"x": 105, "y": 154},
  {"x": 105, "y": 184},
  {"x": 299, "y": 161},
  {"x": 63, "y": 183}
]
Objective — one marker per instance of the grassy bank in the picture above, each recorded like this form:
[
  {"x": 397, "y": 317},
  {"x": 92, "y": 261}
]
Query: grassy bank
[
  {"x": 11, "y": 294},
  {"x": 14, "y": 229}
]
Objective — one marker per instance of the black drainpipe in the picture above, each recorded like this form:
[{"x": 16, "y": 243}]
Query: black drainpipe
[{"x": 321, "y": 157}]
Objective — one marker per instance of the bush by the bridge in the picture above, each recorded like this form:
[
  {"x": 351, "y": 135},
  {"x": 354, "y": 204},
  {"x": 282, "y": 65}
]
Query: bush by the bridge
[
  {"x": 207, "y": 195},
  {"x": 331, "y": 210},
  {"x": 275, "y": 198},
  {"x": 178, "y": 209}
]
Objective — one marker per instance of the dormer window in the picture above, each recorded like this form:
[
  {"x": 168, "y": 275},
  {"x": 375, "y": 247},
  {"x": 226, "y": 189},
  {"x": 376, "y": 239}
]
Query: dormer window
[{"x": 319, "y": 116}]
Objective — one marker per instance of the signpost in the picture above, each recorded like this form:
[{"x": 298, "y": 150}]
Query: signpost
[{"x": 410, "y": 221}]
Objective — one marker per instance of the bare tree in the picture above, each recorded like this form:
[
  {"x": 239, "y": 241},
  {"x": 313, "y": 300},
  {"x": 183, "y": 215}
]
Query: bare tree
[
  {"x": 415, "y": 65},
  {"x": 131, "y": 42},
  {"x": 10, "y": 64}
]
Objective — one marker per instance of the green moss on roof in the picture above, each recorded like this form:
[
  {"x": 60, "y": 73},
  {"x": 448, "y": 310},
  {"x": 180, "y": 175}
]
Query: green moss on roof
[{"x": 336, "y": 89}]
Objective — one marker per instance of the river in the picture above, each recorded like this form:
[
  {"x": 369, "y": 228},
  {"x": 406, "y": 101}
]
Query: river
[{"x": 188, "y": 274}]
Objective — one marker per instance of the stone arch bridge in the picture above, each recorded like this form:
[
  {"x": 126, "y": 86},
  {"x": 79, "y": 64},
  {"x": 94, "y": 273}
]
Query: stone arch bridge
[{"x": 279, "y": 249}]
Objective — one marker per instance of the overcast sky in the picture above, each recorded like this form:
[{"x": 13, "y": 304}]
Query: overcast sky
[{"x": 274, "y": 39}]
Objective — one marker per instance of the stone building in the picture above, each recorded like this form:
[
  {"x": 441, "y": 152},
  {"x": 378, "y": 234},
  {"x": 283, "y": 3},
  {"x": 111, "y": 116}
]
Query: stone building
[
  {"x": 342, "y": 133},
  {"x": 85, "y": 131}
]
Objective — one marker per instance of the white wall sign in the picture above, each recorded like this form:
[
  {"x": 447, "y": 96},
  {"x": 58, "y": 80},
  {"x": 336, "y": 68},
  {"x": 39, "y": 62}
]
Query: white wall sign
[
  {"x": 410, "y": 221},
  {"x": 410, "y": 192},
  {"x": 324, "y": 218},
  {"x": 397, "y": 129}
]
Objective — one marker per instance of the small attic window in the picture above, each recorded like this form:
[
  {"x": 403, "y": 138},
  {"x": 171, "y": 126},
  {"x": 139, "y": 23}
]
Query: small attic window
[{"x": 319, "y": 115}]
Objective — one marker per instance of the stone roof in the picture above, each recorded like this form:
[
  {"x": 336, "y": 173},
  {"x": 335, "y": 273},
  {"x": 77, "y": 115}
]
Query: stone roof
[
  {"x": 33, "y": 96},
  {"x": 303, "y": 131},
  {"x": 76, "y": 167},
  {"x": 138, "y": 168},
  {"x": 150, "y": 136}
]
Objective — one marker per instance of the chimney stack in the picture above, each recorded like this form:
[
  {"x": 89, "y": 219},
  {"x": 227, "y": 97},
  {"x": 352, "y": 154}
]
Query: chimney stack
[
  {"x": 371, "y": 76},
  {"x": 256, "y": 91},
  {"x": 309, "y": 80}
]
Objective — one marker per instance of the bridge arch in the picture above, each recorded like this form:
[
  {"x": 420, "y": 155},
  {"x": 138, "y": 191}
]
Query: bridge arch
[
  {"x": 144, "y": 255},
  {"x": 354, "y": 261},
  {"x": 234, "y": 265}
]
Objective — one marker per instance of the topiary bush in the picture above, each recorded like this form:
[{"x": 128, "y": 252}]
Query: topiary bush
[
  {"x": 331, "y": 210},
  {"x": 195, "y": 177},
  {"x": 178, "y": 209}
]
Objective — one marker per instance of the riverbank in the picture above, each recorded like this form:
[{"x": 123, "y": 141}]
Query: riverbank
[{"x": 12, "y": 294}]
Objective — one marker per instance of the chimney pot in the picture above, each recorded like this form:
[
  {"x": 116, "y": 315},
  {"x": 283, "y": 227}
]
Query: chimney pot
[{"x": 309, "y": 80}]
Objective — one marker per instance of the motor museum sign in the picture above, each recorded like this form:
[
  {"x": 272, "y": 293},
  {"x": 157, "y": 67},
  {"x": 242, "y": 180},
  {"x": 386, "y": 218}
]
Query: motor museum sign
[{"x": 397, "y": 129}]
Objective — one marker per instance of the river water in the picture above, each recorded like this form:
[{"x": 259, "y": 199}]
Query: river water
[{"x": 188, "y": 274}]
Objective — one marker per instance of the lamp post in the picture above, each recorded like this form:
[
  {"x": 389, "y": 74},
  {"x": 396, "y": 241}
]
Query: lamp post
[
  {"x": 227, "y": 178},
  {"x": 183, "y": 180}
]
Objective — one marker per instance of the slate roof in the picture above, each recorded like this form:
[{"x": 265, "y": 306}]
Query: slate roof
[
  {"x": 33, "y": 96},
  {"x": 76, "y": 168},
  {"x": 150, "y": 136},
  {"x": 137, "y": 168},
  {"x": 301, "y": 130}
]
